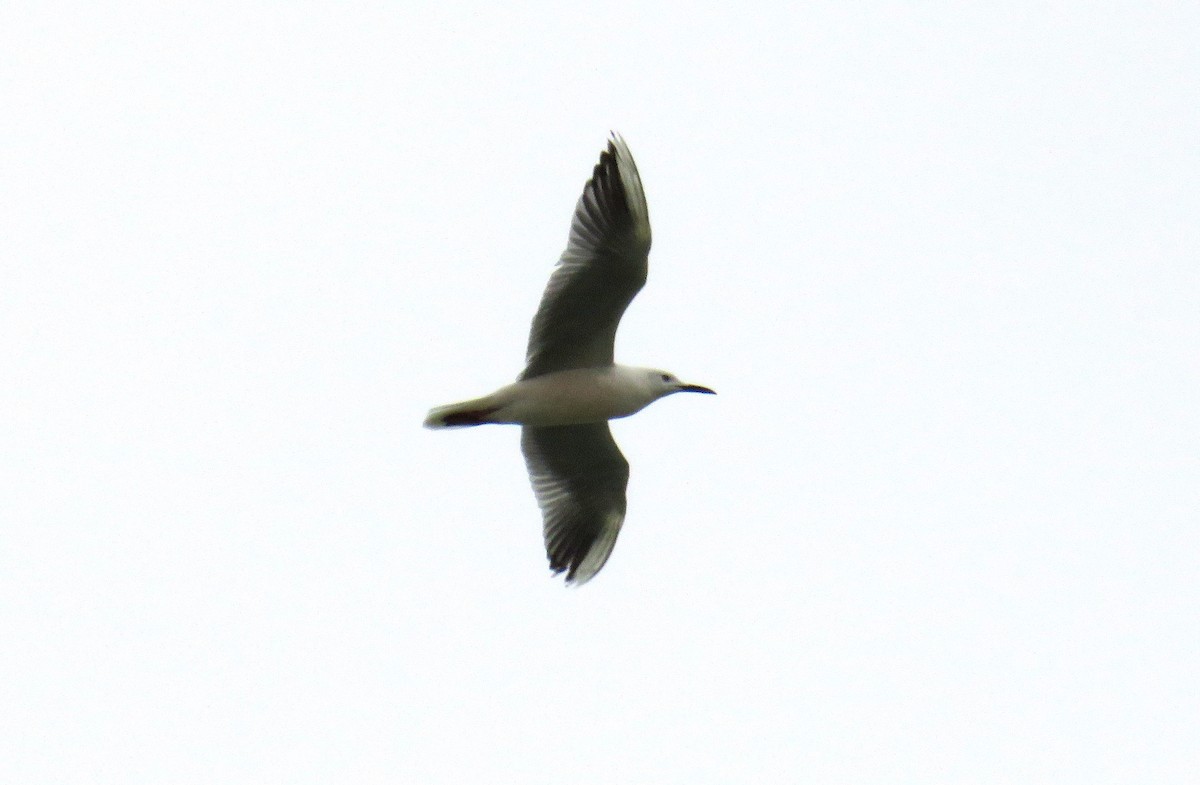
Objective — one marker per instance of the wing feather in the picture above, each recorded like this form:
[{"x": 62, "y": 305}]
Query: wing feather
[
  {"x": 600, "y": 272},
  {"x": 579, "y": 477}
]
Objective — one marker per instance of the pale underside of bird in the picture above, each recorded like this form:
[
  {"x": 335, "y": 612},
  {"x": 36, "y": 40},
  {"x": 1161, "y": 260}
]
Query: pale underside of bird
[{"x": 570, "y": 387}]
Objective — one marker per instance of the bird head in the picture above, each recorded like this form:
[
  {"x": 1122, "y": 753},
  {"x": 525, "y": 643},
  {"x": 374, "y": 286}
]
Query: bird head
[{"x": 665, "y": 383}]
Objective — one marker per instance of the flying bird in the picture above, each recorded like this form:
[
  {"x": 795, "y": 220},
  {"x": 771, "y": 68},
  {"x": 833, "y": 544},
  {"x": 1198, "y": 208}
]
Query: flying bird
[{"x": 571, "y": 387}]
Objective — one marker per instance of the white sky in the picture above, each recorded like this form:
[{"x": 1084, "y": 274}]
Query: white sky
[{"x": 939, "y": 526}]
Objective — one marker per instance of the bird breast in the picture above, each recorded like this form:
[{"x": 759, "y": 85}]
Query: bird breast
[{"x": 582, "y": 395}]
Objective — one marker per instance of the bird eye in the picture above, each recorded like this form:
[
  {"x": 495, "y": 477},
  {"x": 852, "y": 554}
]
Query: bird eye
[{"x": 666, "y": 377}]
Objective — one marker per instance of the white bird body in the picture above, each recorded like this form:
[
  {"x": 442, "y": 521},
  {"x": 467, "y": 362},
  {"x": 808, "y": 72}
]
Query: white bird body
[
  {"x": 570, "y": 387},
  {"x": 574, "y": 397}
]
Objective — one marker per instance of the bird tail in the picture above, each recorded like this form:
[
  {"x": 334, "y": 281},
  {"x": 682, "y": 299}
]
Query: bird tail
[{"x": 462, "y": 415}]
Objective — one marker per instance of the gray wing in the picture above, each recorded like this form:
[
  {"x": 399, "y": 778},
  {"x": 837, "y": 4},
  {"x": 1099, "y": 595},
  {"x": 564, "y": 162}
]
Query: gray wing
[
  {"x": 602, "y": 269},
  {"x": 579, "y": 477}
]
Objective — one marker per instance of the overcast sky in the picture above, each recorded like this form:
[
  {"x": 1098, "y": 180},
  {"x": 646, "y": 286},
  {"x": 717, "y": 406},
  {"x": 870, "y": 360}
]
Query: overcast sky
[{"x": 941, "y": 524}]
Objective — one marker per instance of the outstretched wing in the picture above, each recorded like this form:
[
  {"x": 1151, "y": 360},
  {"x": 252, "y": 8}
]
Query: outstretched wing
[
  {"x": 602, "y": 269},
  {"x": 579, "y": 477}
]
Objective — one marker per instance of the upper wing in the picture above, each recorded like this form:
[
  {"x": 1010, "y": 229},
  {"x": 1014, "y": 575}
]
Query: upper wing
[
  {"x": 602, "y": 269},
  {"x": 579, "y": 477}
]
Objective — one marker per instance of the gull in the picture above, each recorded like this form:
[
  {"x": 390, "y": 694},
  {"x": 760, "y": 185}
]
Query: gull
[{"x": 570, "y": 387}]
